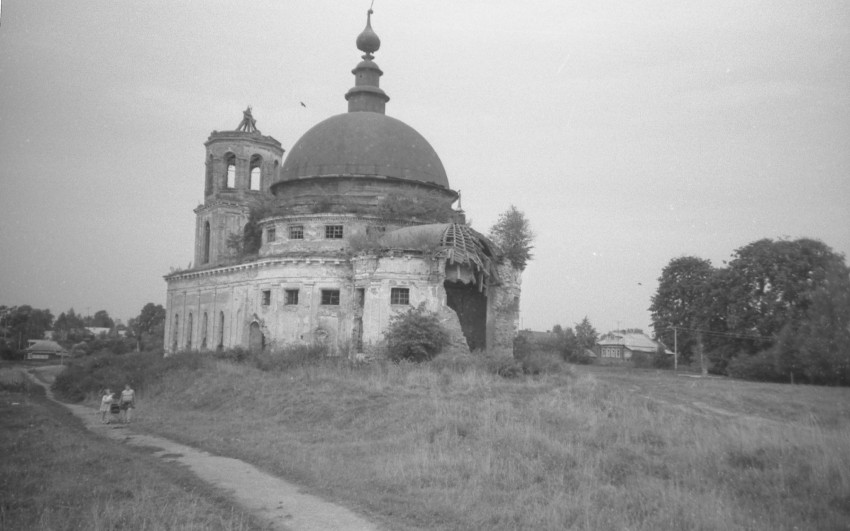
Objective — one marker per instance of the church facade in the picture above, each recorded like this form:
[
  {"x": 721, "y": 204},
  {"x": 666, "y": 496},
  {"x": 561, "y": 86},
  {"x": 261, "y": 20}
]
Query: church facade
[{"x": 327, "y": 244}]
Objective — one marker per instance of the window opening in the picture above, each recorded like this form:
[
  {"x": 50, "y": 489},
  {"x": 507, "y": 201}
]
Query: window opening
[
  {"x": 204, "y": 332},
  {"x": 330, "y": 297},
  {"x": 206, "y": 242},
  {"x": 267, "y": 297},
  {"x": 296, "y": 232},
  {"x": 220, "y": 330},
  {"x": 271, "y": 235},
  {"x": 256, "y": 164},
  {"x": 333, "y": 232},
  {"x": 189, "y": 332},
  {"x": 176, "y": 332},
  {"x": 291, "y": 297},
  {"x": 230, "y": 161},
  {"x": 400, "y": 296}
]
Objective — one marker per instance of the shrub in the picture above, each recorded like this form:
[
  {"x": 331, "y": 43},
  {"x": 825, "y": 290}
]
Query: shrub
[
  {"x": 642, "y": 360},
  {"x": 415, "y": 335},
  {"x": 540, "y": 362},
  {"x": 761, "y": 367},
  {"x": 579, "y": 356},
  {"x": 89, "y": 375},
  {"x": 504, "y": 366}
]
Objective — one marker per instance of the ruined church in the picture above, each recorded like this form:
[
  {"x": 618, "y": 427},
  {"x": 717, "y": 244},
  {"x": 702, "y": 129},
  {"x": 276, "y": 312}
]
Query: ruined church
[{"x": 325, "y": 245}]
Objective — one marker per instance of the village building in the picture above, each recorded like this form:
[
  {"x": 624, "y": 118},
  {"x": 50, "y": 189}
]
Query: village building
[
  {"x": 622, "y": 346},
  {"x": 44, "y": 349},
  {"x": 327, "y": 244}
]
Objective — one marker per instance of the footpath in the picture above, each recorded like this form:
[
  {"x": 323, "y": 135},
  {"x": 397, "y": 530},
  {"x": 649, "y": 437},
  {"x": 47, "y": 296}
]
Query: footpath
[{"x": 273, "y": 500}]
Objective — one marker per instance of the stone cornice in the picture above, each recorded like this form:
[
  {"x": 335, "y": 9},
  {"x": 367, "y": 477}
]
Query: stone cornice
[{"x": 258, "y": 264}]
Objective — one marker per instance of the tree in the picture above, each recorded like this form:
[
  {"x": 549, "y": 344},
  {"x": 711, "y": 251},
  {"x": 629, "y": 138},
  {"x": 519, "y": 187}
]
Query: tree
[
  {"x": 23, "y": 323},
  {"x": 513, "y": 235},
  {"x": 147, "y": 325},
  {"x": 794, "y": 295},
  {"x": 585, "y": 334},
  {"x": 780, "y": 310},
  {"x": 679, "y": 301},
  {"x": 101, "y": 319}
]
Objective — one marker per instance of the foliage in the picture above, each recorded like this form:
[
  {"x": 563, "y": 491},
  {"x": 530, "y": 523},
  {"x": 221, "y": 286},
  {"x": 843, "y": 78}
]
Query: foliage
[
  {"x": 513, "y": 235},
  {"x": 149, "y": 327},
  {"x": 248, "y": 243},
  {"x": 421, "y": 205},
  {"x": 100, "y": 319},
  {"x": 786, "y": 301},
  {"x": 22, "y": 323},
  {"x": 504, "y": 366},
  {"x": 415, "y": 335},
  {"x": 86, "y": 376},
  {"x": 678, "y": 301},
  {"x": 586, "y": 335}
]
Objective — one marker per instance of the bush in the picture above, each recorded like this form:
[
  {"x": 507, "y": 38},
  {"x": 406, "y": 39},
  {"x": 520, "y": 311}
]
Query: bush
[
  {"x": 540, "y": 362},
  {"x": 641, "y": 360},
  {"x": 504, "y": 366},
  {"x": 89, "y": 375},
  {"x": 415, "y": 335},
  {"x": 579, "y": 356},
  {"x": 760, "y": 367}
]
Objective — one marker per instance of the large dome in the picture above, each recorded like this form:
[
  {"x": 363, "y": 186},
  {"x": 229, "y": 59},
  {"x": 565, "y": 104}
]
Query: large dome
[{"x": 364, "y": 144}]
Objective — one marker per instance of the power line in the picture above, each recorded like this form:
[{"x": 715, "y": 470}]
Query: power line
[{"x": 723, "y": 334}]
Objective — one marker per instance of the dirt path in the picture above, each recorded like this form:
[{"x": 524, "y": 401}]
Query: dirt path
[{"x": 272, "y": 499}]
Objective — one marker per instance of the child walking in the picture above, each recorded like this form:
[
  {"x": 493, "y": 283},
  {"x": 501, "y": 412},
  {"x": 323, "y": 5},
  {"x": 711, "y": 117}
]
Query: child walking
[{"x": 105, "y": 403}]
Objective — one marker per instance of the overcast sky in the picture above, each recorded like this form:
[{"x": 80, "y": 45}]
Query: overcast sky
[{"x": 629, "y": 132}]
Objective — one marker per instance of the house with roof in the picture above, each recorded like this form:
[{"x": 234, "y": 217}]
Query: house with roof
[
  {"x": 623, "y": 345},
  {"x": 44, "y": 349}
]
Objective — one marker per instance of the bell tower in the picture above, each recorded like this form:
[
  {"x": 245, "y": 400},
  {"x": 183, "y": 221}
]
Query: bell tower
[{"x": 241, "y": 165}]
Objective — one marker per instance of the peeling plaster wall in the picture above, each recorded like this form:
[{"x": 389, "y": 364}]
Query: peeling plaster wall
[{"x": 503, "y": 310}]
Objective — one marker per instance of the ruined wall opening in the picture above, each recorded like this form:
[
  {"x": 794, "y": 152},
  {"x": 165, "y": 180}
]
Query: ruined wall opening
[
  {"x": 470, "y": 305},
  {"x": 207, "y": 234},
  {"x": 255, "y": 172},
  {"x": 256, "y": 339},
  {"x": 220, "y": 345},
  {"x": 230, "y": 164}
]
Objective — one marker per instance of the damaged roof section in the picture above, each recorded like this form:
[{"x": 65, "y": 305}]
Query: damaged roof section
[{"x": 457, "y": 243}]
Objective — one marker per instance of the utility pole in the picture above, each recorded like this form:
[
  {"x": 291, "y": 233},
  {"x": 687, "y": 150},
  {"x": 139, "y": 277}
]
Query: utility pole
[{"x": 675, "y": 349}]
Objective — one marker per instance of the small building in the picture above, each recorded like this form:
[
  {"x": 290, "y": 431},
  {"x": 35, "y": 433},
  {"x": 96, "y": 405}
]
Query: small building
[
  {"x": 622, "y": 345},
  {"x": 44, "y": 349}
]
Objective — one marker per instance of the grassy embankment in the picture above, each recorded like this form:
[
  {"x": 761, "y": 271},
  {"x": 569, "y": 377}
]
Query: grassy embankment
[
  {"x": 56, "y": 475},
  {"x": 448, "y": 445}
]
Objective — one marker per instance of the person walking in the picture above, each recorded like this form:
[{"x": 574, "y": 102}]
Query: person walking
[
  {"x": 105, "y": 403},
  {"x": 128, "y": 403}
]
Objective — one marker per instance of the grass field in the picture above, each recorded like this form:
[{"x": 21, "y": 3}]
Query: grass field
[
  {"x": 55, "y": 475},
  {"x": 450, "y": 446}
]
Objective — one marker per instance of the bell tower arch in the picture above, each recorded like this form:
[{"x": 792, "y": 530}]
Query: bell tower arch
[{"x": 241, "y": 166}]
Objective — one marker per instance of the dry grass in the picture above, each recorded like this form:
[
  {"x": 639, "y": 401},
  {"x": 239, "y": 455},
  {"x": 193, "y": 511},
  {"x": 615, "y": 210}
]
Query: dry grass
[
  {"x": 55, "y": 475},
  {"x": 421, "y": 447}
]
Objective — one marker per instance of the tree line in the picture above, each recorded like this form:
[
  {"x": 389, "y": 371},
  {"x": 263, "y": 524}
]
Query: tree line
[
  {"x": 778, "y": 310},
  {"x": 20, "y": 324}
]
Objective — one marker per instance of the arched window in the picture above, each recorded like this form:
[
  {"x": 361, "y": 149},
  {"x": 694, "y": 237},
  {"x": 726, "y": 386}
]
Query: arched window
[
  {"x": 208, "y": 184},
  {"x": 204, "y": 332},
  {"x": 175, "y": 333},
  {"x": 189, "y": 332},
  {"x": 206, "y": 242},
  {"x": 220, "y": 331},
  {"x": 256, "y": 171},
  {"x": 230, "y": 163}
]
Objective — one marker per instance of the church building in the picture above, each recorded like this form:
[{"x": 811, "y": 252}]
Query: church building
[{"x": 325, "y": 245}]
